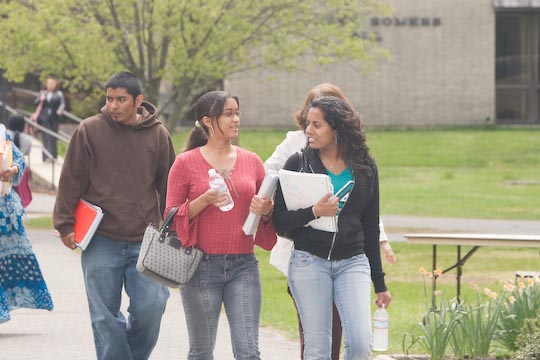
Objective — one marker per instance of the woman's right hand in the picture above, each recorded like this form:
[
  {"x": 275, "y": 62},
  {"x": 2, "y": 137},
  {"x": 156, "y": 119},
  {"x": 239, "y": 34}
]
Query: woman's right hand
[
  {"x": 214, "y": 197},
  {"x": 327, "y": 206}
]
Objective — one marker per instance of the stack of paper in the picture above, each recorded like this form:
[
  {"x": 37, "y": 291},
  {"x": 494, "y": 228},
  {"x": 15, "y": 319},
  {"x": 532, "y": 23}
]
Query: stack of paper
[
  {"x": 302, "y": 190},
  {"x": 87, "y": 219}
]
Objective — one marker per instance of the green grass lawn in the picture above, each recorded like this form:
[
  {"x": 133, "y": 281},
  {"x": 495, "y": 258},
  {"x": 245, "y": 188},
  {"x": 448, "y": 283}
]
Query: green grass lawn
[{"x": 471, "y": 173}]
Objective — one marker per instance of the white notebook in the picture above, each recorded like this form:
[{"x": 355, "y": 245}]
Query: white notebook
[{"x": 302, "y": 190}]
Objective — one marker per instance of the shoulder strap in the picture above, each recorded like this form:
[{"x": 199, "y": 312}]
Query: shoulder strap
[{"x": 301, "y": 162}]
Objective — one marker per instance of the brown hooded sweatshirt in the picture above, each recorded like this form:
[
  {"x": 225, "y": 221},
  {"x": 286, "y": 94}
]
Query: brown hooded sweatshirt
[{"x": 121, "y": 168}]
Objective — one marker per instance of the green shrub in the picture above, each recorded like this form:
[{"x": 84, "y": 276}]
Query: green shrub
[
  {"x": 530, "y": 327},
  {"x": 521, "y": 302},
  {"x": 531, "y": 350}
]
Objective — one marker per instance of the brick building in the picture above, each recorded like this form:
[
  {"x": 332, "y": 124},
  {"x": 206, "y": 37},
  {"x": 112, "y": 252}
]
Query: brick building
[{"x": 454, "y": 62}]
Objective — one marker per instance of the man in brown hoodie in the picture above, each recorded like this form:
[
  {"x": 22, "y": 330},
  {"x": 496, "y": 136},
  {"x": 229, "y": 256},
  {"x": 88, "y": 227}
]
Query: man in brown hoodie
[{"x": 118, "y": 160}]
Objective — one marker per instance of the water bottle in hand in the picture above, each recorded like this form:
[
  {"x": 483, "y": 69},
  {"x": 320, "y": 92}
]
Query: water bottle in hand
[
  {"x": 217, "y": 182},
  {"x": 380, "y": 329}
]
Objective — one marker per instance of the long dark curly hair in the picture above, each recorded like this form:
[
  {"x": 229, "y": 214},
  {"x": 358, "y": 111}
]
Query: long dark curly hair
[{"x": 350, "y": 135}]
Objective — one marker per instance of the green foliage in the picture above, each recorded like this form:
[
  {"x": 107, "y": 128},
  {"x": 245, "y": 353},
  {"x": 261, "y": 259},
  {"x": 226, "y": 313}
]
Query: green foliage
[
  {"x": 531, "y": 347},
  {"x": 192, "y": 46},
  {"x": 438, "y": 323},
  {"x": 474, "y": 334},
  {"x": 530, "y": 327},
  {"x": 522, "y": 302}
]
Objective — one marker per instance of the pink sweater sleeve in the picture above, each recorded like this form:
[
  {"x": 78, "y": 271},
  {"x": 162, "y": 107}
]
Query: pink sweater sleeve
[{"x": 177, "y": 192}]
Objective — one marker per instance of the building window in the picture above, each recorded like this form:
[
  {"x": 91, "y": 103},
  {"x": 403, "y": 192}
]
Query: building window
[{"x": 517, "y": 67}]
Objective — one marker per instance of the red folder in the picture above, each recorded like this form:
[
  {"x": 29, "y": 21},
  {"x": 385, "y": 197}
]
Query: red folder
[{"x": 87, "y": 219}]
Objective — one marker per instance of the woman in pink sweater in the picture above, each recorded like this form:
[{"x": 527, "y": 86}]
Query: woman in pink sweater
[{"x": 228, "y": 275}]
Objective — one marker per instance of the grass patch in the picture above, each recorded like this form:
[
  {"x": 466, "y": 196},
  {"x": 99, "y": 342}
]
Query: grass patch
[{"x": 44, "y": 222}]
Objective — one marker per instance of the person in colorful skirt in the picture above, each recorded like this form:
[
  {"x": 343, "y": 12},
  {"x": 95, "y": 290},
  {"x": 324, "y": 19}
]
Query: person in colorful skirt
[{"x": 21, "y": 282}]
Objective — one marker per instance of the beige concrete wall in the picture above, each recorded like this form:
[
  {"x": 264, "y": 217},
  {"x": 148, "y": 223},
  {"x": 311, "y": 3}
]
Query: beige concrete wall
[{"x": 441, "y": 72}]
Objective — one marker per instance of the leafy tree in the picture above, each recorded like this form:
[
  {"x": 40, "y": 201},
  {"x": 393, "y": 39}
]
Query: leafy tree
[{"x": 191, "y": 45}]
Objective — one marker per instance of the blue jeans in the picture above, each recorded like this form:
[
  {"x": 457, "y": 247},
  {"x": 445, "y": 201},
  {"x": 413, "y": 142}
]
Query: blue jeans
[
  {"x": 109, "y": 265},
  {"x": 232, "y": 281},
  {"x": 315, "y": 284}
]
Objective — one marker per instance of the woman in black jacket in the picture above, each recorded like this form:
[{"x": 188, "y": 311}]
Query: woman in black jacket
[{"x": 336, "y": 266}]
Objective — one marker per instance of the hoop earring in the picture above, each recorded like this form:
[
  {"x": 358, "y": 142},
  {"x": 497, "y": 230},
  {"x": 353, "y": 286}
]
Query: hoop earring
[
  {"x": 335, "y": 136},
  {"x": 211, "y": 131}
]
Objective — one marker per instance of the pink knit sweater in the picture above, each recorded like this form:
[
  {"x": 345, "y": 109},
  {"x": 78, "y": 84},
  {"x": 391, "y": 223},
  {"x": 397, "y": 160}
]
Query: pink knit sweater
[{"x": 212, "y": 230}]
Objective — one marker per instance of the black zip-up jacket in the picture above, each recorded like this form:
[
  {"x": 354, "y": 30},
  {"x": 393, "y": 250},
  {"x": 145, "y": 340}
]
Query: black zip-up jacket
[{"x": 358, "y": 221}]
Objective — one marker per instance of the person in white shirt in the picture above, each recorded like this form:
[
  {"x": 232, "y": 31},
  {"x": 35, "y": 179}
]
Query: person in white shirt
[{"x": 294, "y": 142}]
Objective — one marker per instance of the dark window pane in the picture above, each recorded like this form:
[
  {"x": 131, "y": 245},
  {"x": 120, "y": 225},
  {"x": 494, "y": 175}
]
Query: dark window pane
[
  {"x": 510, "y": 49},
  {"x": 511, "y": 104}
]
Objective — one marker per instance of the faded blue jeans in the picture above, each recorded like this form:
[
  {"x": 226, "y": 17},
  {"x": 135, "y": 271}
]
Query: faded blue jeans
[
  {"x": 108, "y": 265},
  {"x": 232, "y": 281},
  {"x": 316, "y": 283}
]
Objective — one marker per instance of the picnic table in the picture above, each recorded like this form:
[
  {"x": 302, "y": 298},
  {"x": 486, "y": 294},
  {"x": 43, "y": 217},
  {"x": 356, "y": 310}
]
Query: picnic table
[{"x": 474, "y": 240}]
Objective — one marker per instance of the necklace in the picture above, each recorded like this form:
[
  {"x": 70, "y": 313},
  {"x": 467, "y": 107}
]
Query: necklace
[{"x": 336, "y": 166}]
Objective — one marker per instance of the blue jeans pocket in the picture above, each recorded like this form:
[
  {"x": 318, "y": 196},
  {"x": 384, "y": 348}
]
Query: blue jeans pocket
[{"x": 301, "y": 258}]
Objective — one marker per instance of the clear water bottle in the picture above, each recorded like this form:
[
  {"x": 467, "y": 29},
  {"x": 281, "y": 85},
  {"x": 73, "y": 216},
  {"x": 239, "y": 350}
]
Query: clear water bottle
[
  {"x": 380, "y": 329},
  {"x": 217, "y": 182}
]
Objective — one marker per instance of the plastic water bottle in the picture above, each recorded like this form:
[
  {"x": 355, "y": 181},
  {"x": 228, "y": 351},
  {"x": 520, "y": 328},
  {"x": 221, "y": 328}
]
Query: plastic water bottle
[
  {"x": 380, "y": 329},
  {"x": 217, "y": 182}
]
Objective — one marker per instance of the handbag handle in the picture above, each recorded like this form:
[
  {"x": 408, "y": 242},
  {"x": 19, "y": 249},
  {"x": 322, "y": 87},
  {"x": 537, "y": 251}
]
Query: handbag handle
[{"x": 166, "y": 223}]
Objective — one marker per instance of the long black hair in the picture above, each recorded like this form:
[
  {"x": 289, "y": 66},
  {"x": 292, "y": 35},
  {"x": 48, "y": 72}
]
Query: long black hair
[
  {"x": 350, "y": 135},
  {"x": 16, "y": 124}
]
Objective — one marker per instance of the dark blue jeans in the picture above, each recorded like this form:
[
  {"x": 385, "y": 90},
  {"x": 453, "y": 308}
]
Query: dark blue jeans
[{"x": 108, "y": 266}]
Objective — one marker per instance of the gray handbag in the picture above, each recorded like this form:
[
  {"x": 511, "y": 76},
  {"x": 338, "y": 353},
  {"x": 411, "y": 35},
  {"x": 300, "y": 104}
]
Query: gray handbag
[{"x": 163, "y": 258}]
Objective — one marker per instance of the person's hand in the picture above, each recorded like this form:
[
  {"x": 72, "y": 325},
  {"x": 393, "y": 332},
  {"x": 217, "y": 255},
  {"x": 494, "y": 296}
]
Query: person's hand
[
  {"x": 327, "y": 206},
  {"x": 69, "y": 241},
  {"x": 261, "y": 205},
  {"x": 383, "y": 298},
  {"x": 215, "y": 197},
  {"x": 59, "y": 112},
  {"x": 42, "y": 97},
  {"x": 7, "y": 174},
  {"x": 388, "y": 252}
]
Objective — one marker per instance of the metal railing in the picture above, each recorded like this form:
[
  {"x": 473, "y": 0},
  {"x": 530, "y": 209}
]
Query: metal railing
[{"x": 65, "y": 138}]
